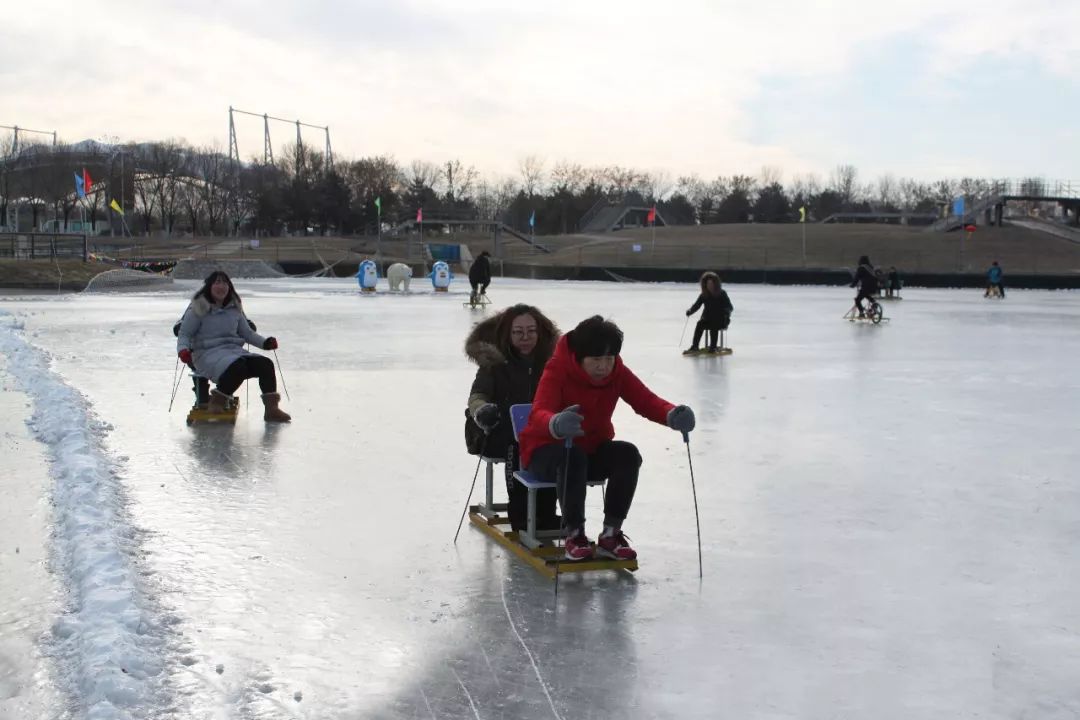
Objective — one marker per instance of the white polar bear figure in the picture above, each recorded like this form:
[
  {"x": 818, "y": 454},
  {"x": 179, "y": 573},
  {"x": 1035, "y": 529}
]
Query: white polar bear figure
[{"x": 397, "y": 274}]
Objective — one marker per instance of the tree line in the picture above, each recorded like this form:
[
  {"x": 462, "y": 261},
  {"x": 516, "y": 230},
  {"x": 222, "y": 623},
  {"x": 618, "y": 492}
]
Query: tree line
[{"x": 173, "y": 187}]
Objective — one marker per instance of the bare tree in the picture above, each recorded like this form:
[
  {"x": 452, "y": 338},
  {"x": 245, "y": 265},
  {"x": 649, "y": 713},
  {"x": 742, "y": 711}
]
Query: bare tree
[
  {"x": 531, "y": 168},
  {"x": 459, "y": 180},
  {"x": 656, "y": 186},
  {"x": 888, "y": 192},
  {"x": 844, "y": 181},
  {"x": 568, "y": 177},
  {"x": 770, "y": 175}
]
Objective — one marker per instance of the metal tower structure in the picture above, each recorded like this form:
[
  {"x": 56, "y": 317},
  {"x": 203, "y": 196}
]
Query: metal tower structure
[
  {"x": 268, "y": 148},
  {"x": 17, "y": 129}
]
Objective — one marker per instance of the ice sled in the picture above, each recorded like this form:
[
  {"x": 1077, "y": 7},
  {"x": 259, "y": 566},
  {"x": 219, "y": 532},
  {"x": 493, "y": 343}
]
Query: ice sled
[
  {"x": 874, "y": 313},
  {"x": 720, "y": 350},
  {"x": 542, "y": 549},
  {"x": 709, "y": 353},
  {"x": 476, "y": 301},
  {"x": 199, "y": 416}
]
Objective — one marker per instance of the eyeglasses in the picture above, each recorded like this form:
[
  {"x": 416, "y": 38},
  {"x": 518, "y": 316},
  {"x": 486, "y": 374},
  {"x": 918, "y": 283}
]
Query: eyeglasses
[{"x": 523, "y": 333}]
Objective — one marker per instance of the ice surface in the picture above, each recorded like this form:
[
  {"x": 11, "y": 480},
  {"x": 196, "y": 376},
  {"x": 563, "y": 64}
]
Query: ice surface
[{"x": 889, "y": 514}]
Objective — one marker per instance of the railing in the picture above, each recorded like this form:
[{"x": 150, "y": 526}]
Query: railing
[{"x": 34, "y": 246}]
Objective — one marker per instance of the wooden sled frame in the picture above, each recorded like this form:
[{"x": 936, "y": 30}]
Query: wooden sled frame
[
  {"x": 721, "y": 349},
  {"x": 198, "y": 414},
  {"x": 542, "y": 549}
]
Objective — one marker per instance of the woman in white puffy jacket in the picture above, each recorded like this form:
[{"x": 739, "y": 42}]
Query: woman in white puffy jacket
[{"x": 212, "y": 336}]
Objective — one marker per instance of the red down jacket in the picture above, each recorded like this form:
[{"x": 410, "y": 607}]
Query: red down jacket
[{"x": 566, "y": 383}]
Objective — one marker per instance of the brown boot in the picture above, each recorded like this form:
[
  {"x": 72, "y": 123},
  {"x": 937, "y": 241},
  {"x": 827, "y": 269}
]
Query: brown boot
[
  {"x": 217, "y": 402},
  {"x": 273, "y": 413}
]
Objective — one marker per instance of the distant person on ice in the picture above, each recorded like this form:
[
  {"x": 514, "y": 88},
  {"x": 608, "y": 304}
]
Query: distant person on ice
[
  {"x": 511, "y": 349},
  {"x": 212, "y": 335},
  {"x": 581, "y": 384},
  {"x": 994, "y": 280},
  {"x": 716, "y": 315},
  {"x": 894, "y": 282},
  {"x": 867, "y": 281},
  {"x": 480, "y": 276}
]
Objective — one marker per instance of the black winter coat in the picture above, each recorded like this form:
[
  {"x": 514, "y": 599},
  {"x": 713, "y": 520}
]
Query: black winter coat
[
  {"x": 866, "y": 280},
  {"x": 480, "y": 271},
  {"x": 718, "y": 309}
]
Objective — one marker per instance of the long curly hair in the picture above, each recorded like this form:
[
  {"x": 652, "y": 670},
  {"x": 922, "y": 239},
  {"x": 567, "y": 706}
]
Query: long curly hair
[{"x": 204, "y": 291}]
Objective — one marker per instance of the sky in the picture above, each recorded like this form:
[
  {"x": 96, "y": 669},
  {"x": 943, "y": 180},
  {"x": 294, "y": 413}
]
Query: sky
[{"x": 922, "y": 88}]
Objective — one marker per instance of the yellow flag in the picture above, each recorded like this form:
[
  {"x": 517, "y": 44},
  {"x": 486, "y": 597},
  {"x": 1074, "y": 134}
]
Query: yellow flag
[
  {"x": 802, "y": 214},
  {"x": 116, "y": 206}
]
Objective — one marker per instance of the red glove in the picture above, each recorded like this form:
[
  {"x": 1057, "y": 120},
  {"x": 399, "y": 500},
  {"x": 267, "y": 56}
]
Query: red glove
[
  {"x": 185, "y": 356},
  {"x": 270, "y": 344}
]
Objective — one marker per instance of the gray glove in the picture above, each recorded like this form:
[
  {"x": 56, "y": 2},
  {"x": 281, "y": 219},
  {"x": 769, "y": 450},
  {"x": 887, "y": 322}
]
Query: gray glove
[
  {"x": 487, "y": 416},
  {"x": 566, "y": 424},
  {"x": 680, "y": 418}
]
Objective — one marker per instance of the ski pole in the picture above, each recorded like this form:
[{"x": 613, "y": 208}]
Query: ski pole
[
  {"x": 683, "y": 335},
  {"x": 176, "y": 383},
  {"x": 569, "y": 443},
  {"x": 472, "y": 487},
  {"x": 283, "y": 385},
  {"x": 693, "y": 488}
]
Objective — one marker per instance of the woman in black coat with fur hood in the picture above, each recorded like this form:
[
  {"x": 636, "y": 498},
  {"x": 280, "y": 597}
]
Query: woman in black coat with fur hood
[
  {"x": 717, "y": 314},
  {"x": 511, "y": 349}
]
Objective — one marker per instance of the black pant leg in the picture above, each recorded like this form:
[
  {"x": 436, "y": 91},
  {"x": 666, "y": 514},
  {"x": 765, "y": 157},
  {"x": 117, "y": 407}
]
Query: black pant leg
[
  {"x": 567, "y": 469},
  {"x": 699, "y": 329},
  {"x": 235, "y": 374},
  {"x": 714, "y": 337},
  {"x": 619, "y": 462},
  {"x": 262, "y": 367}
]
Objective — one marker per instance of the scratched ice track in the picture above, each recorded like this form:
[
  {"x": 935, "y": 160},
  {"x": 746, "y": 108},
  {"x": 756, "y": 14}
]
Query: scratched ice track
[{"x": 888, "y": 514}]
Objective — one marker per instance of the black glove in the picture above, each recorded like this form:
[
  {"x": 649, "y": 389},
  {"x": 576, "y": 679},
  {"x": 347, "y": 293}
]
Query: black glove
[
  {"x": 270, "y": 344},
  {"x": 681, "y": 419},
  {"x": 487, "y": 416},
  {"x": 566, "y": 424},
  {"x": 689, "y": 313}
]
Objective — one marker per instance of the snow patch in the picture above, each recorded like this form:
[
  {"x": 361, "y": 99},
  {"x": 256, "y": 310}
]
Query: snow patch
[{"x": 110, "y": 641}]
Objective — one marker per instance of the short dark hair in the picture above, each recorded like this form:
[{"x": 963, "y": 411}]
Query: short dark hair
[{"x": 595, "y": 337}]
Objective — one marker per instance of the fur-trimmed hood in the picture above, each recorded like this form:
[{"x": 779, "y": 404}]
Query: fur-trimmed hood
[
  {"x": 705, "y": 277},
  {"x": 201, "y": 306},
  {"x": 485, "y": 348}
]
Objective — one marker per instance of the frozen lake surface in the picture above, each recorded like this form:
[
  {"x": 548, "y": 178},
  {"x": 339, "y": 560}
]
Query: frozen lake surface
[{"x": 890, "y": 516}]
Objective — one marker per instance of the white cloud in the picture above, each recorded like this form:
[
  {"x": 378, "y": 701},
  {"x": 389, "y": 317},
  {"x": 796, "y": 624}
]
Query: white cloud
[{"x": 634, "y": 83}]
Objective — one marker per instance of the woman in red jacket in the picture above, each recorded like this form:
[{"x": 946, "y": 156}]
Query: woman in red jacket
[{"x": 575, "y": 399}]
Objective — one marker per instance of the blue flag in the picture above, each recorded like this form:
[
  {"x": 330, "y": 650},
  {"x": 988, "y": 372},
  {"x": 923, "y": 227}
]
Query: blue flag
[
  {"x": 532, "y": 219},
  {"x": 958, "y": 206},
  {"x": 80, "y": 186}
]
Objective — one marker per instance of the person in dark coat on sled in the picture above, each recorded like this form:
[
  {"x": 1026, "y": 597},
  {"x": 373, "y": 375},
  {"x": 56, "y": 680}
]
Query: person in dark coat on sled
[
  {"x": 866, "y": 279},
  {"x": 511, "y": 349},
  {"x": 480, "y": 276},
  {"x": 581, "y": 385},
  {"x": 716, "y": 315},
  {"x": 211, "y": 339}
]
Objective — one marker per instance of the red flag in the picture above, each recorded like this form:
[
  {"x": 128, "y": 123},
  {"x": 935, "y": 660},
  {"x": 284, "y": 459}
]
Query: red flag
[
  {"x": 651, "y": 218},
  {"x": 86, "y": 180},
  {"x": 419, "y": 214}
]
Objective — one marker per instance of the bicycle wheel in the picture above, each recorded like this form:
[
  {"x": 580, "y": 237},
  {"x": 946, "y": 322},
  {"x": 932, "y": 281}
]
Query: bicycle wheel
[{"x": 876, "y": 313}]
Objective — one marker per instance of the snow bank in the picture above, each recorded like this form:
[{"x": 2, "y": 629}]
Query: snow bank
[{"x": 110, "y": 643}]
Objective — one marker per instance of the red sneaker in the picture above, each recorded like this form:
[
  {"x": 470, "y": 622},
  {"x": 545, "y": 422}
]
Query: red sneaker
[
  {"x": 578, "y": 546},
  {"x": 614, "y": 546}
]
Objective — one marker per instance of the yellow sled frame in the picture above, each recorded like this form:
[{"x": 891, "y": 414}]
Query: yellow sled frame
[{"x": 544, "y": 553}]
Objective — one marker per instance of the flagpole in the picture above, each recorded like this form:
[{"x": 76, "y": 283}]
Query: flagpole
[
  {"x": 378, "y": 221},
  {"x": 803, "y": 243}
]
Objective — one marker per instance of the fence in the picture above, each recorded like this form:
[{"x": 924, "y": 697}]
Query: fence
[{"x": 35, "y": 246}]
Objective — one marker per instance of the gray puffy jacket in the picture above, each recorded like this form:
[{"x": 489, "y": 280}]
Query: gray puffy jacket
[{"x": 215, "y": 336}]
